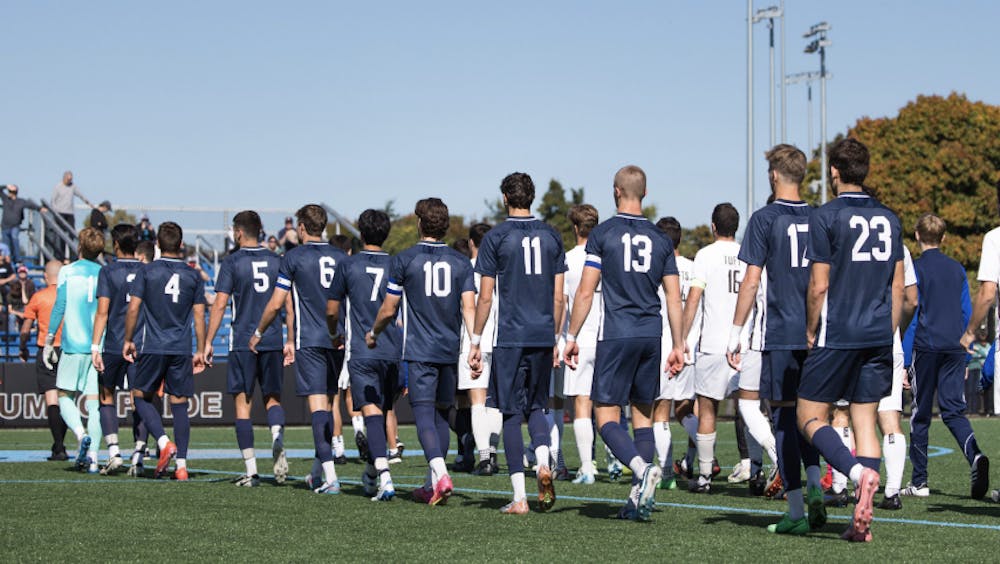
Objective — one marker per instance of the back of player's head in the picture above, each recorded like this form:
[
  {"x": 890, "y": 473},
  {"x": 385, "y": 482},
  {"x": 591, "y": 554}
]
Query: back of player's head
[
  {"x": 248, "y": 223},
  {"x": 671, "y": 228},
  {"x": 169, "y": 236},
  {"x": 477, "y": 232},
  {"x": 433, "y": 216},
  {"x": 312, "y": 218},
  {"x": 342, "y": 242},
  {"x": 374, "y": 226},
  {"x": 462, "y": 246},
  {"x": 52, "y": 269},
  {"x": 145, "y": 251},
  {"x": 726, "y": 220},
  {"x": 584, "y": 217},
  {"x": 519, "y": 190},
  {"x": 126, "y": 236},
  {"x": 788, "y": 161},
  {"x": 630, "y": 180},
  {"x": 850, "y": 157},
  {"x": 930, "y": 229},
  {"x": 91, "y": 243}
]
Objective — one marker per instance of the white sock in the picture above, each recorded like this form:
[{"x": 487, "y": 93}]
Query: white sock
[
  {"x": 759, "y": 427},
  {"x": 661, "y": 435},
  {"x": 113, "y": 449},
  {"x": 557, "y": 434},
  {"x": 162, "y": 441},
  {"x": 137, "y": 453},
  {"x": 705, "y": 443},
  {"x": 276, "y": 431},
  {"x": 583, "y": 429},
  {"x": 554, "y": 437},
  {"x": 250, "y": 459},
  {"x": 856, "y": 471},
  {"x": 812, "y": 476},
  {"x": 382, "y": 466},
  {"x": 839, "y": 479},
  {"x": 358, "y": 422},
  {"x": 80, "y": 432},
  {"x": 338, "y": 445},
  {"x": 481, "y": 430},
  {"x": 438, "y": 468},
  {"x": 329, "y": 472},
  {"x": 796, "y": 510},
  {"x": 894, "y": 450},
  {"x": 638, "y": 466},
  {"x": 517, "y": 483},
  {"x": 182, "y": 463},
  {"x": 495, "y": 426},
  {"x": 542, "y": 454}
]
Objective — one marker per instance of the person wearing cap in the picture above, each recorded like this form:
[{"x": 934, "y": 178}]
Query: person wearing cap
[
  {"x": 97, "y": 218},
  {"x": 13, "y": 215},
  {"x": 288, "y": 237},
  {"x": 146, "y": 231},
  {"x": 21, "y": 290}
]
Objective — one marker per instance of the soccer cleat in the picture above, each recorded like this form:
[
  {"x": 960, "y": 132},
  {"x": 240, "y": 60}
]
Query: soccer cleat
[
  {"x": 562, "y": 474},
  {"x": 701, "y": 484},
  {"x": 615, "y": 470},
  {"x": 92, "y": 468},
  {"x": 340, "y": 460},
  {"x": 313, "y": 480},
  {"x": 980, "y": 476},
  {"x": 330, "y": 488},
  {"x": 817, "y": 508},
  {"x": 167, "y": 454},
  {"x": 774, "y": 485},
  {"x": 647, "y": 492},
  {"x": 181, "y": 474},
  {"x": 245, "y": 481},
  {"x": 114, "y": 463},
  {"x": 280, "y": 461},
  {"x": 361, "y": 441},
  {"x": 423, "y": 494},
  {"x": 584, "y": 478},
  {"x": 395, "y": 457},
  {"x": 867, "y": 486},
  {"x": 493, "y": 463},
  {"x": 546, "y": 489},
  {"x": 369, "y": 480},
  {"x": 853, "y": 535},
  {"x": 919, "y": 490},
  {"x": 681, "y": 468},
  {"x": 668, "y": 483},
  {"x": 82, "y": 460},
  {"x": 716, "y": 469},
  {"x": 757, "y": 483},
  {"x": 995, "y": 496},
  {"x": 385, "y": 492},
  {"x": 484, "y": 468},
  {"x": 463, "y": 464},
  {"x": 58, "y": 456},
  {"x": 741, "y": 472},
  {"x": 442, "y": 491},
  {"x": 891, "y": 502},
  {"x": 834, "y": 499},
  {"x": 826, "y": 482},
  {"x": 789, "y": 526},
  {"x": 628, "y": 511},
  {"x": 517, "y": 507},
  {"x": 136, "y": 470}
]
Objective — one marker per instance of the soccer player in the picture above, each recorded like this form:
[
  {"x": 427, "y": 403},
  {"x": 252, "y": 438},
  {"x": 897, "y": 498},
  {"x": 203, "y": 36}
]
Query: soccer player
[
  {"x": 75, "y": 308},
  {"x": 248, "y": 277},
  {"x": 715, "y": 283},
  {"x": 171, "y": 296},
  {"x": 307, "y": 273},
  {"x": 39, "y": 308},
  {"x": 114, "y": 291},
  {"x": 487, "y": 422},
  {"x": 630, "y": 258},
  {"x": 578, "y": 381},
  {"x": 853, "y": 307},
  {"x": 437, "y": 284},
  {"x": 522, "y": 259},
  {"x": 939, "y": 358},
  {"x": 340, "y": 356},
  {"x": 360, "y": 284},
  {"x": 773, "y": 249}
]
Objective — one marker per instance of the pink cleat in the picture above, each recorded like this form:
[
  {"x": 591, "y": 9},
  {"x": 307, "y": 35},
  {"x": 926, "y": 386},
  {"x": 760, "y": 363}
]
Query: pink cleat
[
  {"x": 442, "y": 491},
  {"x": 423, "y": 494},
  {"x": 861, "y": 525}
]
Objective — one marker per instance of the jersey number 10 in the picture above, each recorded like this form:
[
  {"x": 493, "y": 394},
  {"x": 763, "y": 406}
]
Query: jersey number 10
[{"x": 437, "y": 279}]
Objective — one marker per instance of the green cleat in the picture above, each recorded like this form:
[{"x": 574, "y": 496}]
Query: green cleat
[
  {"x": 817, "y": 508},
  {"x": 789, "y": 527},
  {"x": 668, "y": 483}
]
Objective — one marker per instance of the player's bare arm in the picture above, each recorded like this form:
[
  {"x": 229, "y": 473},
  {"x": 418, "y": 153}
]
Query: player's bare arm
[
  {"x": 332, "y": 318},
  {"x": 131, "y": 318},
  {"x": 198, "y": 361},
  {"x": 289, "y": 348},
  {"x": 100, "y": 324},
  {"x": 589, "y": 280},
  {"x": 897, "y": 296},
  {"x": 744, "y": 303},
  {"x": 672, "y": 291},
  {"x": 270, "y": 312},
  {"x": 483, "y": 306},
  {"x": 469, "y": 318},
  {"x": 214, "y": 322},
  {"x": 386, "y": 314},
  {"x": 558, "y": 311},
  {"x": 984, "y": 300},
  {"x": 819, "y": 283}
]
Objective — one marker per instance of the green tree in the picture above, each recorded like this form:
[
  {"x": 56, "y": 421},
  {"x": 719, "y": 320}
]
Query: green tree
[
  {"x": 496, "y": 211},
  {"x": 694, "y": 239},
  {"x": 554, "y": 207}
]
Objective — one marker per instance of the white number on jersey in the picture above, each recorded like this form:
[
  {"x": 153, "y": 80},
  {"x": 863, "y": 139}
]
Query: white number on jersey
[
  {"x": 91, "y": 286},
  {"x": 326, "y": 271},
  {"x": 437, "y": 279},
  {"x": 173, "y": 287},
  {"x": 379, "y": 273},
  {"x": 798, "y": 259},
  {"x": 260, "y": 280},
  {"x": 532, "y": 255},
  {"x": 879, "y": 224},
  {"x": 643, "y": 248},
  {"x": 129, "y": 279}
]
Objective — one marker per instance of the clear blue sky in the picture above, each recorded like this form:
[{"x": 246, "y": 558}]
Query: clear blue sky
[{"x": 275, "y": 104}]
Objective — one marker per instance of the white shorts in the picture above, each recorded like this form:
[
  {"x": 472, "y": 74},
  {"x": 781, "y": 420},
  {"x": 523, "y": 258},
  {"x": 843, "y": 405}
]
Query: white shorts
[
  {"x": 465, "y": 380},
  {"x": 580, "y": 381},
  {"x": 750, "y": 373},
  {"x": 678, "y": 388},
  {"x": 713, "y": 377},
  {"x": 894, "y": 401}
]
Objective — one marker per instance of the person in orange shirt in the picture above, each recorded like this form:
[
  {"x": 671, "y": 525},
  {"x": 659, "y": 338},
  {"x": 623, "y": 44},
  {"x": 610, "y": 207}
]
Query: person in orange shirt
[{"x": 39, "y": 308}]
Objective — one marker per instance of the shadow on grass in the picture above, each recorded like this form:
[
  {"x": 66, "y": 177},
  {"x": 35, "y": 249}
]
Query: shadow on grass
[
  {"x": 984, "y": 510},
  {"x": 831, "y": 530}
]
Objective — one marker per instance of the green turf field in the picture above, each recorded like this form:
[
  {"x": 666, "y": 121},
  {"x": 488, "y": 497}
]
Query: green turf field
[{"x": 52, "y": 513}]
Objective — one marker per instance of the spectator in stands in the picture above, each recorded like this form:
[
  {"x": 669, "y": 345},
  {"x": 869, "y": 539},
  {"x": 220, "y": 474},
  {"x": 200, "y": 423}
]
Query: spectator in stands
[
  {"x": 97, "y": 218},
  {"x": 13, "y": 215},
  {"x": 62, "y": 199},
  {"x": 7, "y": 275},
  {"x": 272, "y": 244},
  {"x": 21, "y": 290},
  {"x": 146, "y": 231},
  {"x": 194, "y": 263},
  {"x": 288, "y": 237}
]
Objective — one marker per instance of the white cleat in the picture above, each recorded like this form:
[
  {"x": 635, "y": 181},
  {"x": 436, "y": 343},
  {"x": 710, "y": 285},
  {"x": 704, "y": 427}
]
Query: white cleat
[
  {"x": 647, "y": 492},
  {"x": 280, "y": 461},
  {"x": 114, "y": 464},
  {"x": 385, "y": 492},
  {"x": 245, "y": 481},
  {"x": 741, "y": 472},
  {"x": 916, "y": 491},
  {"x": 584, "y": 478}
]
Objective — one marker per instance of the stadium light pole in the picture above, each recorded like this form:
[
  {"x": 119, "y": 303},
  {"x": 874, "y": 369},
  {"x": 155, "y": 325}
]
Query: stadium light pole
[
  {"x": 819, "y": 45},
  {"x": 784, "y": 106},
  {"x": 749, "y": 108},
  {"x": 769, "y": 14},
  {"x": 808, "y": 78}
]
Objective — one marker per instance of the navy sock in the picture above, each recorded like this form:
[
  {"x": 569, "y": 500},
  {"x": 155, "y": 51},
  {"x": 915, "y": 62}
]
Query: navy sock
[
  {"x": 513, "y": 442},
  {"x": 645, "y": 443},
  {"x": 376, "y": 436},
  {"x": 786, "y": 438},
  {"x": 182, "y": 428},
  {"x": 244, "y": 434},
  {"x": 539, "y": 430},
  {"x": 443, "y": 431},
  {"x": 868, "y": 462},
  {"x": 624, "y": 420},
  {"x": 619, "y": 442},
  {"x": 57, "y": 427},
  {"x": 425, "y": 416},
  {"x": 826, "y": 440},
  {"x": 275, "y": 416},
  {"x": 463, "y": 424},
  {"x": 109, "y": 419},
  {"x": 321, "y": 422},
  {"x": 139, "y": 431},
  {"x": 150, "y": 417}
]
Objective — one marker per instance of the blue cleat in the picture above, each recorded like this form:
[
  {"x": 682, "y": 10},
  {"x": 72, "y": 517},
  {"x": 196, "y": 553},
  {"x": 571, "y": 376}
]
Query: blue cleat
[
  {"x": 385, "y": 492},
  {"x": 647, "y": 492},
  {"x": 584, "y": 478},
  {"x": 82, "y": 460},
  {"x": 331, "y": 488}
]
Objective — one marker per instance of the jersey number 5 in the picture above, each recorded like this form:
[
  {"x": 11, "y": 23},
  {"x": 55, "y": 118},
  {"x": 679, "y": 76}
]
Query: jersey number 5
[
  {"x": 883, "y": 231},
  {"x": 260, "y": 280}
]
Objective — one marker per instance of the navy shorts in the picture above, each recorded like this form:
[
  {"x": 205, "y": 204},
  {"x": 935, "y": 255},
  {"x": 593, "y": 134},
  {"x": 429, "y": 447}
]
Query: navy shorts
[
  {"x": 46, "y": 377},
  {"x": 373, "y": 382},
  {"x": 854, "y": 375},
  {"x": 519, "y": 379},
  {"x": 627, "y": 370},
  {"x": 174, "y": 370},
  {"x": 115, "y": 370},
  {"x": 431, "y": 382},
  {"x": 246, "y": 368},
  {"x": 780, "y": 374},
  {"x": 316, "y": 371}
]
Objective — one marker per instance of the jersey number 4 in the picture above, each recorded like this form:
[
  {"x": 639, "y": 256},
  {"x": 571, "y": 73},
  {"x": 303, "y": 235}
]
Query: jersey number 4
[
  {"x": 879, "y": 252},
  {"x": 173, "y": 287}
]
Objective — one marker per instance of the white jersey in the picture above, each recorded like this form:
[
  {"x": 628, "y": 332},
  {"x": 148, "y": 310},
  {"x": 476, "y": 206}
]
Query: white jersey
[
  {"x": 758, "y": 314},
  {"x": 719, "y": 272},
  {"x": 685, "y": 268},
  {"x": 909, "y": 279},
  {"x": 575, "y": 259},
  {"x": 989, "y": 271},
  {"x": 489, "y": 330}
]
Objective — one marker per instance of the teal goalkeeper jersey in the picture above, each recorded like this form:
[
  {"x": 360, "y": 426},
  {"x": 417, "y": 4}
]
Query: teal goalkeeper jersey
[{"x": 76, "y": 305}]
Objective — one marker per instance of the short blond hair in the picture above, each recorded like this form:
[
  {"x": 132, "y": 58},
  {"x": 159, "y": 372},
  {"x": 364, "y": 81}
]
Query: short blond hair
[
  {"x": 788, "y": 161},
  {"x": 91, "y": 243},
  {"x": 930, "y": 229},
  {"x": 631, "y": 180},
  {"x": 584, "y": 217}
]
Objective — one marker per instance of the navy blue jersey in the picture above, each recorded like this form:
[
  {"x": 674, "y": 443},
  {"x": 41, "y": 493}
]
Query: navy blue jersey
[
  {"x": 861, "y": 241},
  {"x": 360, "y": 286},
  {"x": 633, "y": 256},
  {"x": 431, "y": 277},
  {"x": 115, "y": 283},
  {"x": 775, "y": 240},
  {"x": 249, "y": 277},
  {"x": 307, "y": 271},
  {"x": 523, "y": 255},
  {"x": 945, "y": 307},
  {"x": 168, "y": 288}
]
